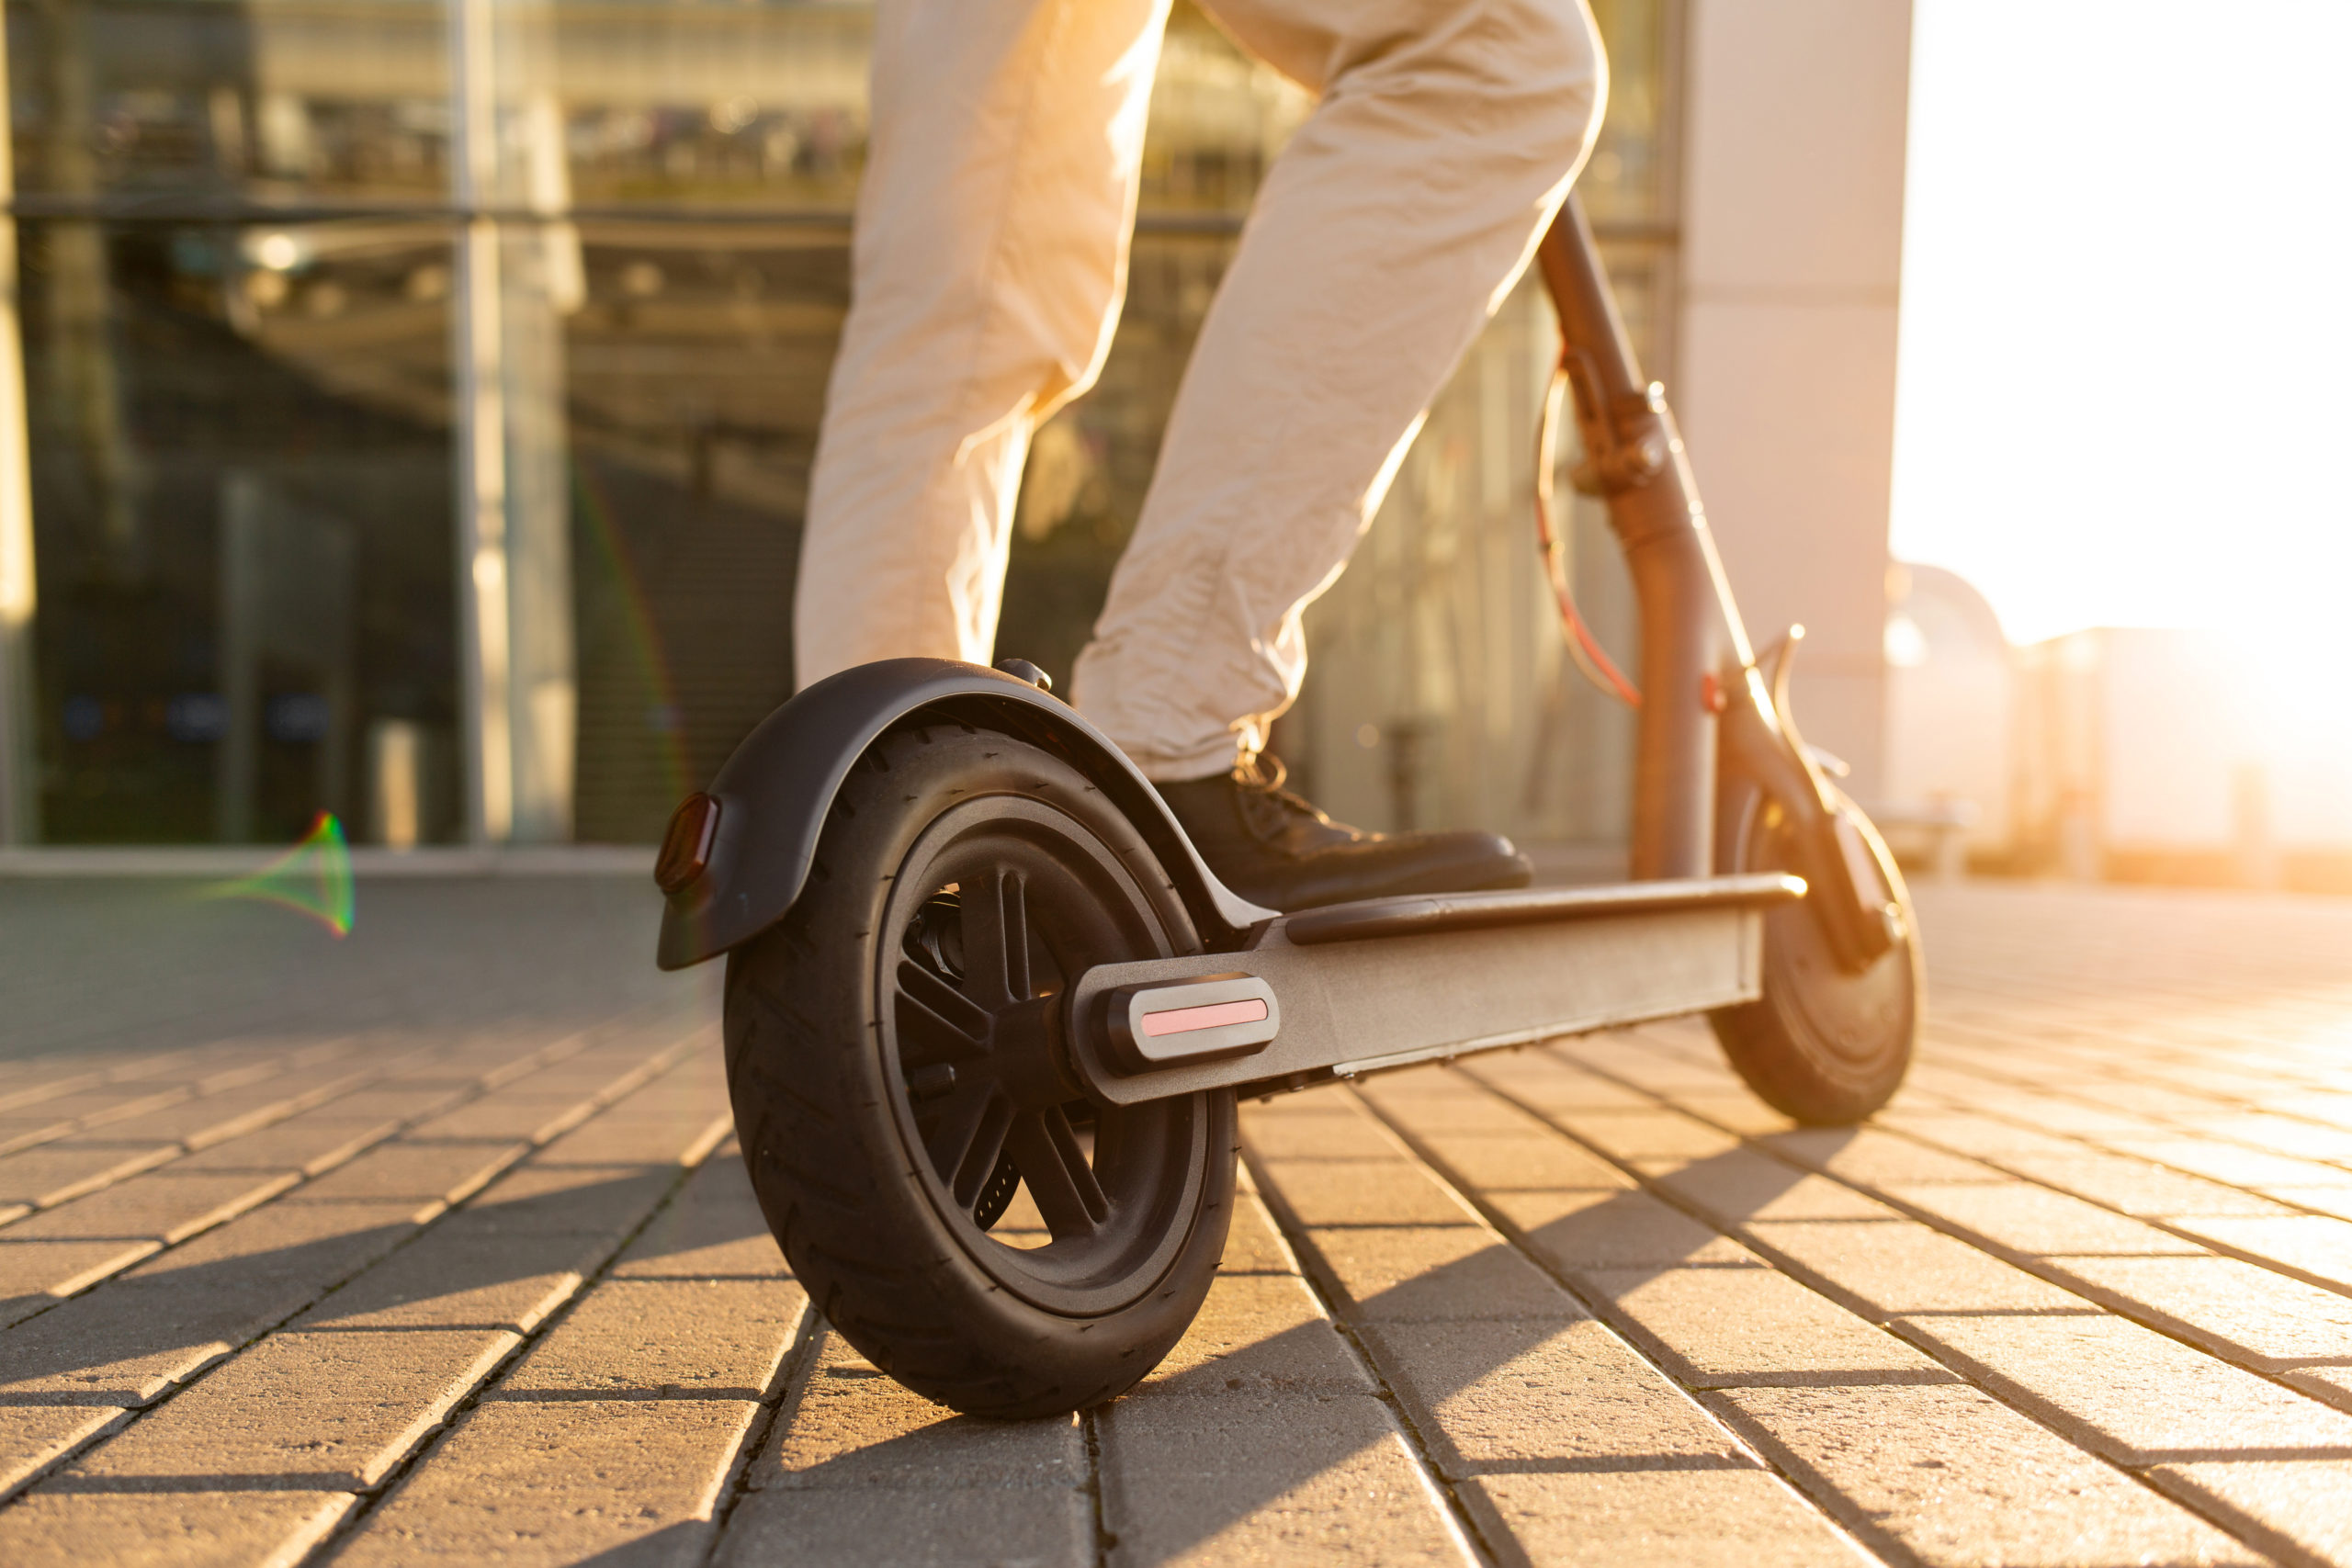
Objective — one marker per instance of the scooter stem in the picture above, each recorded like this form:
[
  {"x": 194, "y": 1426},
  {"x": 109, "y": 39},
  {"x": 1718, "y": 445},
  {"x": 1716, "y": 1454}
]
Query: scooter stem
[
  {"x": 1702, "y": 693},
  {"x": 1692, "y": 636}
]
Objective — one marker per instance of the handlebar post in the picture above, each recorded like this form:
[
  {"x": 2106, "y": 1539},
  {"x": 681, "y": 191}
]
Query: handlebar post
[{"x": 1691, "y": 634}]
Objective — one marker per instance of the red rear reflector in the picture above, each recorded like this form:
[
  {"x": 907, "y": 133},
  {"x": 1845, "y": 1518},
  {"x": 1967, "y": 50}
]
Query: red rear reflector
[
  {"x": 686, "y": 848},
  {"x": 1216, "y": 1015}
]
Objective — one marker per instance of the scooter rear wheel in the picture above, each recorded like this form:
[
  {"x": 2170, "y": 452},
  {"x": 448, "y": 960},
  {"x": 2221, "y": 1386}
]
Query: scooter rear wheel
[
  {"x": 1825, "y": 1044},
  {"x": 892, "y": 1096}
]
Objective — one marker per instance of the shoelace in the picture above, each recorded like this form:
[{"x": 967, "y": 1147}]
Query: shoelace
[{"x": 1279, "y": 802}]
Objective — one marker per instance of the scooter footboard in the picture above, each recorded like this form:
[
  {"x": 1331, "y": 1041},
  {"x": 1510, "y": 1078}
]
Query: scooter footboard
[{"x": 1335, "y": 993}]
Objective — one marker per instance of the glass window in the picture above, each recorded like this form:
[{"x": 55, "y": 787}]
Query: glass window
[
  {"x": 257, "y": 456},
  {"x": 285, "y": 101},
  {"x": 241, "y": 500},
  {"x": 697, "y": 370},
  {"x": 701, "y": 105}
]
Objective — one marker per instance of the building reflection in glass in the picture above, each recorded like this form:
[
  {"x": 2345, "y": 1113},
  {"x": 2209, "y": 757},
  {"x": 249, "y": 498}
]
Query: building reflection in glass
[{"x": 421, "y": 398}]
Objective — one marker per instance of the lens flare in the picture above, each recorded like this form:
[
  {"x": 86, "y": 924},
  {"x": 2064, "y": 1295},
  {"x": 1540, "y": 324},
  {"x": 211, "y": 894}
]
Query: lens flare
[
  {"x": 313, "y": 878},
  {"x": 654, "y": 682}
]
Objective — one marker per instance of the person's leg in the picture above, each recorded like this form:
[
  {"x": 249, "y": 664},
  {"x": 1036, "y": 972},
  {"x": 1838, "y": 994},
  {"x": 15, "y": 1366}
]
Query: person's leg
[
  {"x": 1386, "y": 234},
  {"x": 989, "y": 258}
]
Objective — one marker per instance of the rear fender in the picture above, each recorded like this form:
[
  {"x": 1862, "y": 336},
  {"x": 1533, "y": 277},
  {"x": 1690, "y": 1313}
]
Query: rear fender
[{"x": 774, "y": 794}]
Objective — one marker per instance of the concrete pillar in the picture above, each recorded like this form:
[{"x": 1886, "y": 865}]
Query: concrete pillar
[
  {"x": 1793, "y": 229},
  {"x": 19, "y": 769},
  {"x": 516, "y": 279}
]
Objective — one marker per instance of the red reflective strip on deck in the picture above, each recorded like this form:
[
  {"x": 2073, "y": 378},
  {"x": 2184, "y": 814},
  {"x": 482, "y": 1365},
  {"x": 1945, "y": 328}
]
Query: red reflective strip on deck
[{"x": 1183, "y": 1021}]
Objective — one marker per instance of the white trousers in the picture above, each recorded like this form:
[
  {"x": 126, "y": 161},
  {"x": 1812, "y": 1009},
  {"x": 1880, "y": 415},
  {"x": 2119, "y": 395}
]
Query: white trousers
[{"x": 989, "y": 264}]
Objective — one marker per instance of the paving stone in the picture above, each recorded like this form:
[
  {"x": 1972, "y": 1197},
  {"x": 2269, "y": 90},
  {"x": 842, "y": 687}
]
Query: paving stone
[
  {"x": 210, "y": 1118},
  {"x": 35, "y": 1274},
  {"x": 2293, "y": 1507},
  {"x": 1950, "y": 1475},
  {"x": 1429, "y": 1274},
  {"x": 1488, "y": 1396},
  {"x": 54, "y": 1172},
  {"x": 1743, "y": 1185},
  {"x": 2131, "y": 1393},
  {"x": 1468, "y": 1112},
  {"x": 183, "y": 1530},
  {"x": 617, "y": 1481},
  {"x": 1720, "y": 1326},
  {"x": 323, "y": 1411},
  {"x": 1654, "y": 1518},
  {"x": 460, "y": 1277},
  {"x": 851, "y": 1426},
  {"x": 2314, "y": 1128},
  {"x": 1335, "y": 1130},
  {"x": 2232, "y": 1306},
  {"x": 57, "y": 1117},
  {"x": 2100, "y": 1014},
  {"x": 706, "y": 1338},
  {"x": 2335, "y": 1202},
  {"x": 1523, "y": 1161},
  {"x": 926, "y": 1526},
  {"x": 2230, "y": 1162},
  {"x": 609, "y": 1199},
  {"x": 33, "y": 1437},
  {"x": 1263, "y": 1332},
  {"x": 131, "y": 1338},
  {"x": 1577, "y": 1231},
  {"x": 1735, "y": 1110},
  {"x": 1890, "y": 1267},
  {"x": 2332, "y": 1383},
  {"x": 314, "y": 1141},
  {"x": 713, "y": 1229},
  {"x": 1252, "y": 1245},
  {"x": 2036, "y": 1222},
  {"x": 164, "y": 1205},
  {"x": 1388, "y": 1193},
  {"x": 1970, "y": 1131},
  {"x": 1267, "y": 1479},
  {"x": 1439, "y": 1100},
  {"x": 282, "y": 1253},
  {"x": 1874, "y": 1158},
  {"x": 615, "y": 1139},
  {"x": 2135, "y": 1187},
  {"x": 507, "y": 1116},
  {"x": 442, "y": 1173},
  {"x": 1654, "y": 1134},
  {"x": 2319, "y": 1249},
  {"x": 1546, "y": 1081}
]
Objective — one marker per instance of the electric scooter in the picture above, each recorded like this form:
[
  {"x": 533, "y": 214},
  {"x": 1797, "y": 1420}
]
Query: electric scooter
[{"x": 969, "y": 951}]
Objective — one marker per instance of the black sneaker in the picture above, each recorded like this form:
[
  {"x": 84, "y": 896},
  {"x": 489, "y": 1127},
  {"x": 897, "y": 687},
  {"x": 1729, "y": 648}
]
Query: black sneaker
[{"x": 1276, "y": 849}]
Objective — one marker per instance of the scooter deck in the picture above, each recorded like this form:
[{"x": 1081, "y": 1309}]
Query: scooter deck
[{"x": 1354, "y": 988}]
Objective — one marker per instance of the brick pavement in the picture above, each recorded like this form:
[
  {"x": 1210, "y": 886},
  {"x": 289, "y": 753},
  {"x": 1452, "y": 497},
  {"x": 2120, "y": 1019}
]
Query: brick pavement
[{"x": 430, "y": 1244}]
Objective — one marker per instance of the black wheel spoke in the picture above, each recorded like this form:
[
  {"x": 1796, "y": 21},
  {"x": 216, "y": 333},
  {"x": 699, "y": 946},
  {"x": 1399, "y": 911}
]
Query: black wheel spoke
[
  {"x": 1052, "y": 1163},
  {"x": 948, "y": 1131},
  {"x": 944, "y": 1024},
  {"x": 972, "y": 1173},
  {"x": 996, "y": 938}
]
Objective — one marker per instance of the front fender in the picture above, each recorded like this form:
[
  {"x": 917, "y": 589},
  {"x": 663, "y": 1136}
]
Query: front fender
[{"x": 774, "y": 792}]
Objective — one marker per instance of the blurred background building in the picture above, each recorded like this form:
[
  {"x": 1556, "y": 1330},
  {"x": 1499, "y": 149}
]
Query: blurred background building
[
  {"x": 2114, "y": 753},
  {"x": 406, "y": 410}
]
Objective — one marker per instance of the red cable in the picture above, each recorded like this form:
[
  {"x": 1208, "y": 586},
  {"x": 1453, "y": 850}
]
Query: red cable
[{"x": 1590, "y": 657}]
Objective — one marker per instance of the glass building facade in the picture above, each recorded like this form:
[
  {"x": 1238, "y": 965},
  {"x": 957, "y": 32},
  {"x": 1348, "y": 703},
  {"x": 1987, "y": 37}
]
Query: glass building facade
[{"x": 407, "y": 406}]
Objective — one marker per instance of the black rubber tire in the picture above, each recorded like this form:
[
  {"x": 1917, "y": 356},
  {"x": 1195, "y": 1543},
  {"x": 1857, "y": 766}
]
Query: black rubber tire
[
  {"x": 1825, "y": 1044},
  {"x": 826, "y": 1011}
]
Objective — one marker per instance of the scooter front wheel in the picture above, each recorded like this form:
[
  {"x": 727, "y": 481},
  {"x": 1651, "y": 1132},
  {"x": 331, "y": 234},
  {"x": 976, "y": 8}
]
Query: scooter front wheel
[
  {"x": 889, "y": 1061},
  {"x": 1825, "y": 1044}
]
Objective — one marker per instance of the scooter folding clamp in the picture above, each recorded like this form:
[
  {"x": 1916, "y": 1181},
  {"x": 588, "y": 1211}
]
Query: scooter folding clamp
[{"x": 1207, "y": 1018}]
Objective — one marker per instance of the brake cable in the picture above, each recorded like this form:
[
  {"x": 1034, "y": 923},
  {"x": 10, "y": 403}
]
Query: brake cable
[{"x": 1591, "y": 660}]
